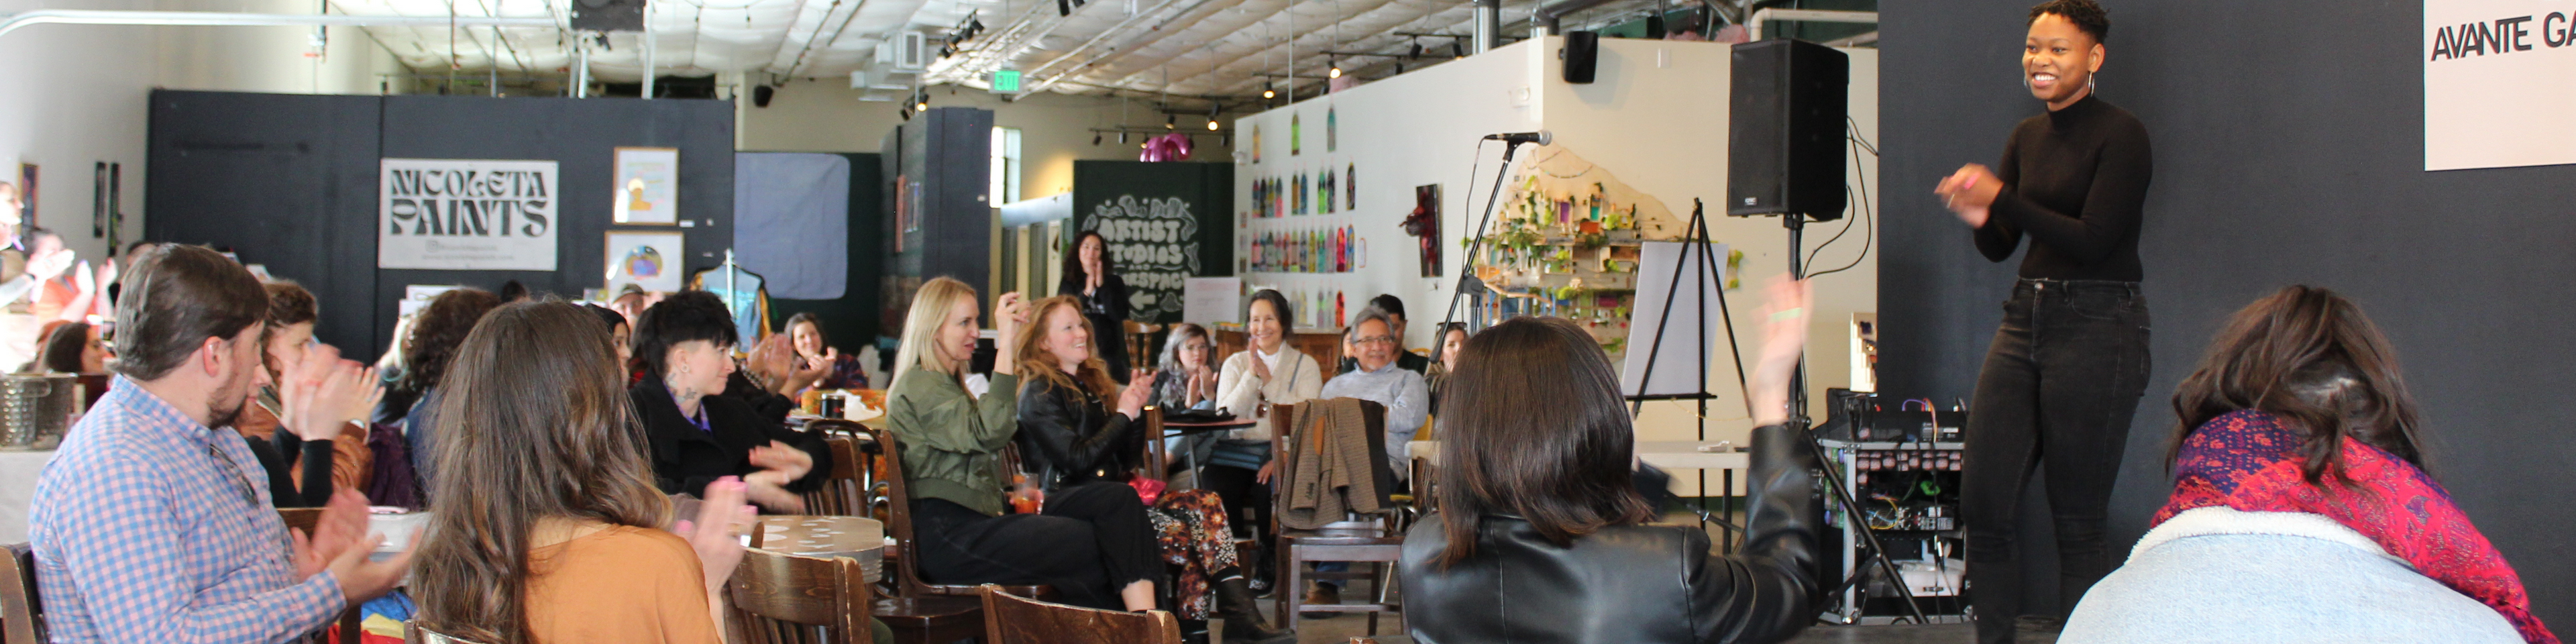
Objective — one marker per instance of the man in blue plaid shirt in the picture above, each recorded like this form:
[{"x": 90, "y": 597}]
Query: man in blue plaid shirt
[{"x": 153, "y": 521}]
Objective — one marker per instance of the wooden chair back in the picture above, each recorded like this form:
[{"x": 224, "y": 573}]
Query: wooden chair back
[
  {"x": 1157, "y": 456},
  {"x": 22, "y": 614},
  {"x": 789, "y": 599},
  {"x": 1012, "y": 619},
  {"x": 844, "y": 491},
  {"x": 906, "y": 561}
]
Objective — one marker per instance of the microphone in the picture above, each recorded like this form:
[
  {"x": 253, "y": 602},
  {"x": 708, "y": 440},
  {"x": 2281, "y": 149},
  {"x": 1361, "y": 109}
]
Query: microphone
[{"x": 1540, "y": 137}]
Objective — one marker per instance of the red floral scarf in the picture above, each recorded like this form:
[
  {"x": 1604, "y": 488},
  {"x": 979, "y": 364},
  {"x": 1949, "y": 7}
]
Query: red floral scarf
[{"x": 2249, "y": 461}]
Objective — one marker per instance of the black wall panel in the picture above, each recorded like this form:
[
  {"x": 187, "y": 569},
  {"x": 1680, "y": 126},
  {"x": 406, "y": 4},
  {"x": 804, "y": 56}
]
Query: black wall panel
[
  {"x": 2288, "y": 149},
  {"x": 290, "y": 181}
]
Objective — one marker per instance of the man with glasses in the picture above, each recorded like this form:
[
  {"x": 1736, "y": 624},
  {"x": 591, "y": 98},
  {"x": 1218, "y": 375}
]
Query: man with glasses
[
  {"x": 1374, "y": 345},
  {"x": 1404, "y": 359}
]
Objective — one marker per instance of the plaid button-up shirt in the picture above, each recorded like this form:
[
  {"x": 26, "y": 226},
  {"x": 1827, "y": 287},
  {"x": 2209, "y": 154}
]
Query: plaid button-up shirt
[{"x": 149, "y": 526}]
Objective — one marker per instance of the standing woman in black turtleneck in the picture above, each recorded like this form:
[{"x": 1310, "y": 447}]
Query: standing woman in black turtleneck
[{"x": 2070, "y": 360}]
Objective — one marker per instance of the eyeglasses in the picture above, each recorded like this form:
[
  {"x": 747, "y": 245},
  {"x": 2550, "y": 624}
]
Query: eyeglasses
[{"x": 1375, "y": 339}]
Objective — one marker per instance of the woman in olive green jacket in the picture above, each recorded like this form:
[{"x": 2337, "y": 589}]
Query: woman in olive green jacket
[{"x": 1091, "y": 542}]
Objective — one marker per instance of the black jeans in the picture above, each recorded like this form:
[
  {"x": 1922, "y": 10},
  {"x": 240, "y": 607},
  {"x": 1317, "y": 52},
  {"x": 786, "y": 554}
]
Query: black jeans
[
  {"x": 1237, "y": 487},
  {"x": 1091, "y": 541},
  {"x": 2058, "y": 388}
]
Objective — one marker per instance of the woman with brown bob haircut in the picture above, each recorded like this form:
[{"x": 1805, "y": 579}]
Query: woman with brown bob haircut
[
  {"x": 546, "y": 526},
  {"x": 1542, "y": 536}
]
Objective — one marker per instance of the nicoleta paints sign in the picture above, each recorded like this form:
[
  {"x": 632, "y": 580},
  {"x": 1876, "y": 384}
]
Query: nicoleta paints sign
[
  {"x": 466, "y": 215},
  {"x": 2499, "y": 83}
]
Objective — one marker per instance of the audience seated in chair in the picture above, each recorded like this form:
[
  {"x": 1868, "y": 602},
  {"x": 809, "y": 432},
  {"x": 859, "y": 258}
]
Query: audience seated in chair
[
  {"x": 308, "y": 426},
  {"x": 1076, "y": 445},
  {"x": 1094, "y": 547},
  {"x": 1374, "y": 336},
  {"x": 1238, "y": 464},
  {"x": 685, "y": 345},
  {"x": 2301, "y": 509},
  {"x": 1542, "y": 535},
  {"x": 546, "y": 526},
  {"x": 1186, "y": 377},
  {"x": 151, "y": 521},
  {"x": 435, "y": 333}
]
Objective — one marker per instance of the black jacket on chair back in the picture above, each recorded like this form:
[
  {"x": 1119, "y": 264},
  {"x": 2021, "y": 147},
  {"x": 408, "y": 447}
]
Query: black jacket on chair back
[
  {"x": 686, "y": 459},
  {"x": 1629, "y": 584}
]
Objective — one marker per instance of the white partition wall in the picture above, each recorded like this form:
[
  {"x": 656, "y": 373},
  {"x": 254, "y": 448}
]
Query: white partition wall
[{"x": 1656, "y": 118}]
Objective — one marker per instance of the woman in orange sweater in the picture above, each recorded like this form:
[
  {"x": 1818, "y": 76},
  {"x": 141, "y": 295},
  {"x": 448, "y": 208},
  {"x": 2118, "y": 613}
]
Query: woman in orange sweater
[{"x": 547, "y": 526}]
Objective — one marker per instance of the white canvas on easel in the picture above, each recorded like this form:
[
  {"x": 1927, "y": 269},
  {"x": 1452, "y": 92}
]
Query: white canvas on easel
[{"x": 1682, "y": 360}]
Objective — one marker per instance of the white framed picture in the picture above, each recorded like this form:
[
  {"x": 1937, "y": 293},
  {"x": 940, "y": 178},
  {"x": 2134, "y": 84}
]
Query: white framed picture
[
  {"x": 647, "y": 185},
  {"x": 649, "y": 259}
]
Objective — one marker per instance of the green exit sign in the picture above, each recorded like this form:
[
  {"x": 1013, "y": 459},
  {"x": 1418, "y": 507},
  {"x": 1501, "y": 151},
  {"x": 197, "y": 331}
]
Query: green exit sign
[{"x": 1006, "y": 80}]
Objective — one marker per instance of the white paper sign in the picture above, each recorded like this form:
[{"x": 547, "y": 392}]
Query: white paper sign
[
  {"x": 1212, "y": 300},
  {"x": 466, "y": 215},
  {"x": 1682, "y": 359},
  {"x": 2499, "y": 83}
]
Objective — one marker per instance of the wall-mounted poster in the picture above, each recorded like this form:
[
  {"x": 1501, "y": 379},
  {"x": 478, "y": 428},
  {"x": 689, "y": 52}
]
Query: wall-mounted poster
[
  {"x": 648, "y": 259},
  {"x": 464, "y": 214},
  {"x": 648, "y": 186}
]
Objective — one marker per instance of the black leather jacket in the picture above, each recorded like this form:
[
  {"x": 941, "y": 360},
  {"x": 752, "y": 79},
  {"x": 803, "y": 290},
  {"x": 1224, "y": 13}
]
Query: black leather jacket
[
  {"x": 1067, "y": 437},
  {"x": 1636, "y": 583}
]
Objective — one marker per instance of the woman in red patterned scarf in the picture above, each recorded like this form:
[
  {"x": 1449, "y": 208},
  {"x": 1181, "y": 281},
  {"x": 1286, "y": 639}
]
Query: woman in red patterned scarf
[{"x": 2301, "y": 510}]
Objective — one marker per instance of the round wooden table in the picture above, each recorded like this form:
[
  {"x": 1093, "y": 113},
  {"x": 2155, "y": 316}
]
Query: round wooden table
[{"x": 859, "y": 538}]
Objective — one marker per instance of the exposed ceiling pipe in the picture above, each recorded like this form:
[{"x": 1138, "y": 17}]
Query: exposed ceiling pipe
[
  {"x": 223, "y": 19},
  {"x": 1104, "y": 35},
  {"x": 1489, "y": 25}
]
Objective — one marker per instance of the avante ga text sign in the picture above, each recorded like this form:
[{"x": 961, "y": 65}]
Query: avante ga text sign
[{"x": 2499, "y": 83}]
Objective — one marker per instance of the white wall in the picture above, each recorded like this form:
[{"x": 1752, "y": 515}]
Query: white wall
[
  {"x": 1656, "y": 118},
  {"x": 1055, "y": 129},
  {"x": 77, "y": 93}
]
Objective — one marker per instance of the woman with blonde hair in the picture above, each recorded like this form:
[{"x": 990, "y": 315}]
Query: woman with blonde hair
[
  {"x": 546, "y": 526},
  {"x": 1078, "y": 447},
  {"x": 1093, "y": 547}
]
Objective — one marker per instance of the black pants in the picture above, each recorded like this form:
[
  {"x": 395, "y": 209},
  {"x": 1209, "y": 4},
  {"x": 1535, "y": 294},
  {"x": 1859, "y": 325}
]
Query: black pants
[
  {"x": 2058, "y": 388},
  {"x": 1236, "y": 486},
  {"x": 1089, "y": 542}
]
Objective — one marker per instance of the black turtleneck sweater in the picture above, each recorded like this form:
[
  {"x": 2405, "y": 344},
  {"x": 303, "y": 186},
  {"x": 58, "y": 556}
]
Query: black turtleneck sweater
[{"x": 2075, "y": 180}]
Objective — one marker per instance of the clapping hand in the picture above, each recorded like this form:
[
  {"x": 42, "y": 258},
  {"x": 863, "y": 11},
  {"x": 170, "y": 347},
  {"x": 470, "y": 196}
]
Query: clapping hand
[
  {"x": 1131, "y": 401},
  {"x": 789, "y": 462},
  {"x": 45, "y": 266},
  {"x": 323, "y": 393},
  {"x": 1970, "y": 192},
  {"x": 1784, "y": 337},
  {"x": 716, "y": 534}
]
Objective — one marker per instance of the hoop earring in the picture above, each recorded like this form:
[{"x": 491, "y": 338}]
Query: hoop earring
[{"x": 2088, "y": 86}]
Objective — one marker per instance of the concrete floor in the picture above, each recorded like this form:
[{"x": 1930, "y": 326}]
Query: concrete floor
[{"x": 1340, "y": 630}]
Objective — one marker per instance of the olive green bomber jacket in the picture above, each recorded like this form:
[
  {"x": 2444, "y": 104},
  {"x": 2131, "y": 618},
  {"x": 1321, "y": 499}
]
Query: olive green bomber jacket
[{"x": 952, "y": 442}]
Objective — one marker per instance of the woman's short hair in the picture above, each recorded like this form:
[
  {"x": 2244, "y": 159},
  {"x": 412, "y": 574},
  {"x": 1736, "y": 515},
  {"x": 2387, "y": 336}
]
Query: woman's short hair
[
  {"x": 1532, "y": 426},
  {"x": 1037, "y": 364},
  {"x": 2308, "y": 355},
  {"x": 437, "y": 330},
  {"x": 1278, "y": 305},
  {"x": 609, "y": 319},
  {"x": 930, "y": 307},
  {"x": 1369, "y": 314},
  {"x": 176, "y": 298},
  {"x": 1180, "y": 335},
  {"x": 682, "y": 317},
  {"x": 288, "y": 303},
  {"x": 535, "y": 426},
  {"x": 2087, "y": 15},
  {"x": 63, "y": 348}
]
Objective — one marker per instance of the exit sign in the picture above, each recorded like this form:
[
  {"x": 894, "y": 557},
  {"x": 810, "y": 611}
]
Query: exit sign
[{"x": 1006, "y": 80}]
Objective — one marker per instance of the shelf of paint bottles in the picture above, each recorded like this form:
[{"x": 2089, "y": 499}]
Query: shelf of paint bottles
[
  {"x": 1322, "y": 192},
  {"x": 1315, "y": 250}
]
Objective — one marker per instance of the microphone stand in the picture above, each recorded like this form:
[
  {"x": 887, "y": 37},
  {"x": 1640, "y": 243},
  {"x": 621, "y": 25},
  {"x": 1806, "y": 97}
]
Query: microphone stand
[{"x": 1467, "y": 263}]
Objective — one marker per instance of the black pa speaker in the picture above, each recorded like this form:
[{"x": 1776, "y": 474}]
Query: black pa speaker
[
  {"x": 1785, "y": 151},
  {"x": 608, "y": 15},
  {"x": 1582, "y": 56}
]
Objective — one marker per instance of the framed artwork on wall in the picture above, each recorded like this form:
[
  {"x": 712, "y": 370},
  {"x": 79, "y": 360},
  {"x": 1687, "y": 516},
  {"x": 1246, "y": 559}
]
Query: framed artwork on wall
[
  {"x": 649, "y": 259},
  {"x": 647, "y": 184}
]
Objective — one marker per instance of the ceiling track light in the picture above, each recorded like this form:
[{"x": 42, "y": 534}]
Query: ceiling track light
[
  {"x": 1171, "y": 121},
  {"x": 1457, "y": 49},
  {"x": 1211, "y": 125},
  {"x": 1095, "y": 138}
]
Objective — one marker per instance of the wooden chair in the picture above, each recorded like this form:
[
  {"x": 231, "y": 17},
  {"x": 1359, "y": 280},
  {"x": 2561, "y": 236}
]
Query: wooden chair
[
  {"x": 1155, "y": 452},
  {"x": 788, "y": 599},
  {"x": 920, "y": 611},
  {"x": 1012, "y": 619},
  {"x": 1372, "y": 540},
  {"x": 414, "y": 633},
  {"x": 22, "y": 613},
  {"x": 844, "y": 492},
  {"x": 304, "y": 519}
]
